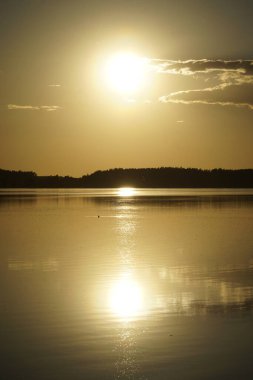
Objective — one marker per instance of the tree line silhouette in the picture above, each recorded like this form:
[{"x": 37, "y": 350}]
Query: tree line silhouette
[{"x": 164, "y": 177}]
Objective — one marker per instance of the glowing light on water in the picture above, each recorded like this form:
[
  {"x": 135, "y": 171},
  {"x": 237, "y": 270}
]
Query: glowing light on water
[
  {"x": 126, "y": 192},
  {"x": 126, "y": 298}
]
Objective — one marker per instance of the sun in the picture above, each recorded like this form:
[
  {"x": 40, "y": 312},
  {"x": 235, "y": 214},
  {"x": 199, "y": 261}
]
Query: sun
[{"x": 125, "y": 72}]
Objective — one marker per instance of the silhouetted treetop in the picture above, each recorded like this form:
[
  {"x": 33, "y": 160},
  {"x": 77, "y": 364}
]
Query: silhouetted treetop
[{"x": 164, "y": 177}]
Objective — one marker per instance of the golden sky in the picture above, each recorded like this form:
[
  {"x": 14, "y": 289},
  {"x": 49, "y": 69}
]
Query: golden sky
[{"x": 88, "y": 85}]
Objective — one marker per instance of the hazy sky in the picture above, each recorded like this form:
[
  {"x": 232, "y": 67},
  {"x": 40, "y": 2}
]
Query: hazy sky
[{"x": 193, "y": 102}]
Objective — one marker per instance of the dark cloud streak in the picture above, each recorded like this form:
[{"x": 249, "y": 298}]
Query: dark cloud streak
[
  {"x": 191, "y": 66},
  {"x": 232, "y": 81}
]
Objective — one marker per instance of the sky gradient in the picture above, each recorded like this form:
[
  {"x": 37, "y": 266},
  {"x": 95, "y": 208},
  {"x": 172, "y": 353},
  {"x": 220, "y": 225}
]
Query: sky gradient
[{"x": 194, "y": 109}]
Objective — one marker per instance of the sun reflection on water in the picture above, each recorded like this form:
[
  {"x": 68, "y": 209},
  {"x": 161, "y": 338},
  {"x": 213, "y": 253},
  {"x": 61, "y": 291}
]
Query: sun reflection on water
[
  {"x": 126, "y": 191},
  {"x": 126, "y": 298}
]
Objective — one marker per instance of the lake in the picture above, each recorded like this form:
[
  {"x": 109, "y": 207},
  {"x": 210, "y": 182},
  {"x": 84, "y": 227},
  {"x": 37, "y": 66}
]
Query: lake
[{"x": 145, "y": 284}]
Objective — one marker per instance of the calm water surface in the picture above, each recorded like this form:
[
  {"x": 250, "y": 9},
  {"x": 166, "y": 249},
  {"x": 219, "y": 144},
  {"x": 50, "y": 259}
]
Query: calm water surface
[{"x": 126, "y": 284}]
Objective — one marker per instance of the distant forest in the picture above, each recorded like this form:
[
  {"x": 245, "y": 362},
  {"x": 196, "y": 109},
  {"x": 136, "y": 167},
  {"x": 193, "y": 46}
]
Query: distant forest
[{"x": 169, "y": 177}]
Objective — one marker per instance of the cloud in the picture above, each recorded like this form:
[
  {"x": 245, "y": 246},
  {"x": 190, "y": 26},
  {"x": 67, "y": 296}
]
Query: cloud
[
  {"x": 191, "y": 66},
  {"x": 54, "y": 85},
  {"x": 50, "y": 108},
  {"x": 231, "y": 82},
  {"x": 164, "y": 99},
  {"x": 33, "y": 108},
  {"x": 19, "y": 107}
]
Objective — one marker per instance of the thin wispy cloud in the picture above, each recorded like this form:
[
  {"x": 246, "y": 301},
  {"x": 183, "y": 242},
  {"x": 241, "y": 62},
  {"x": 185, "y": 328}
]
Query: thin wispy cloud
[
  {"x": 232, "y": 81},
  {"x": 54, "y": 85},
  {"x": 22, "y": 107},
  {"x": 12, "y": 107},
  {"x": 231, "y": 104},
  {"x": 50, "y": 108},
  {"x": 191, "y": 66}
]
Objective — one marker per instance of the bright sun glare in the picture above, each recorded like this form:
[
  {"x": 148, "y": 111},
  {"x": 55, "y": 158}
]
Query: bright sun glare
[
  {"x": 126, "y": 298},
  {"x": 125, "y": 72},
  {"x": 126, "y": 192}
]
